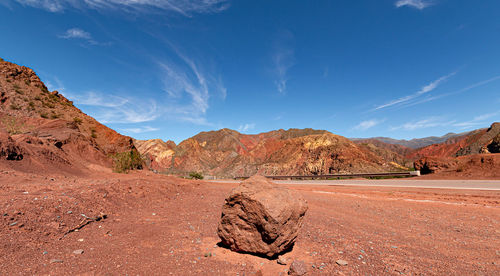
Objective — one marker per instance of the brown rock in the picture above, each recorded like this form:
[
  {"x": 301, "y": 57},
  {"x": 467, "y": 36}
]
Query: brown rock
[
  {"x": 260, "y": 217},
  {"x": 297, "y": 268}
]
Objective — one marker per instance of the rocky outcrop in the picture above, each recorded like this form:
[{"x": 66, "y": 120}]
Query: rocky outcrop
[
  {"x": 431, "y": 164},
  {"x": 494, "y": 146},
  {"x": 52, "y": 134},
  {"x": 262, "y": 218},
  {"x": 479, "y": 142}
]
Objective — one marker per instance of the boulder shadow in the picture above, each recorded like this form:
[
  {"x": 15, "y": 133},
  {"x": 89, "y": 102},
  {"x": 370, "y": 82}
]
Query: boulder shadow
[{"x": 272, "y": 258}]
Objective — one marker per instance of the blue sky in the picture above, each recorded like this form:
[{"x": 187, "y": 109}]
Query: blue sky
[{"x": 170, "y": 69}]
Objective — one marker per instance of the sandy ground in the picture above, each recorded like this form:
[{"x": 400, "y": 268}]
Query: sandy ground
[{"x": 146, "y": 224}]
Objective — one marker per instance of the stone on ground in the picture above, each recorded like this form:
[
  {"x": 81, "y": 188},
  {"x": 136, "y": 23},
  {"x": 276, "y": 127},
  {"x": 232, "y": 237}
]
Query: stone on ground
[
  {"x": 262, "y": 218},
  {"x": 297, "y": 268}
]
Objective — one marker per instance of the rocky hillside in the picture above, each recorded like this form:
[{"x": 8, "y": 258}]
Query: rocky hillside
[
  {"x": 228, "y": 153},
  {"x": 42, "y": 131},
  {"x": 477, "y": 151}
]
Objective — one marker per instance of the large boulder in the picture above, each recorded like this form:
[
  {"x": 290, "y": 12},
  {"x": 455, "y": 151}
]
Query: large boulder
[{"x": 262, "y": 218}]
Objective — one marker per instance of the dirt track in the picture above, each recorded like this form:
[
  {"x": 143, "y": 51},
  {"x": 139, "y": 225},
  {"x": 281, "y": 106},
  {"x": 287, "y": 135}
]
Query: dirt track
[
  {"x": 160, "y": 225},
  {"x": 487, "y": 184}
]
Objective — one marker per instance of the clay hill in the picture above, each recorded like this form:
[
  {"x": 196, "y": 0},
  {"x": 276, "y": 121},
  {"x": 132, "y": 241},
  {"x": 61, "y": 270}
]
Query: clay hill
[
  {"x": 475, "y": 153},
  {"x": 43, "y": 132},
  {"x": 228, "y": 153}
]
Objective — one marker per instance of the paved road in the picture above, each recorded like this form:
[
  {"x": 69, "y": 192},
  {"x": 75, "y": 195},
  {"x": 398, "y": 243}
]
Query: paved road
[{"x": 408, "y": 183}]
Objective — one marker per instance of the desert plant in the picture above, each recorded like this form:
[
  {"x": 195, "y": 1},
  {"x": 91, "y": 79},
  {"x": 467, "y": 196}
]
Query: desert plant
[
  {"x": 54, "y": 116},
  {"x": 27, "y": 82},
  {"x": 195, "y": 175},
  {"x": 77, "y": 120},
  {"x": 49, "y": 105},
  {"x": 126, "y": 161},
  {"x": 14, "y": 106},
  {"x": 93, "y": 133},
  {"x": 13, "y": 126},
  {"x": 44, "y": 115}
]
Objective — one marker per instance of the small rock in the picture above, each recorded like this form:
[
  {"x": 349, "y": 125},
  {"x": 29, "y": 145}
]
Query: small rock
[
  {"x": 282, "y": 260},
  {"x": 78, "y": 251},
  {"x": 297, "y": 268},
  {"x": 45, "y": 252},
  {"x": 393, "y": 246},
  {"x": 80, "y": 240},
  {"x": 55, "y": 261},
  {"x": 14, "y": 223},
  {"x": 341, "y": 262},
  {"x": 69, "y": 212}
]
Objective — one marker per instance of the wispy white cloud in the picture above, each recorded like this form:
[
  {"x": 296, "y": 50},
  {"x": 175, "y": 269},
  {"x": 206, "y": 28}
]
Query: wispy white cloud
[
  {"x": 93, "y": 98},
  {"x": 140, "y": 129},
  {"x": 189, "y": 88},
  {"x": 364, "y": 125},
  {"x": 246, "y": 127},
  {"x": 417, "y": 4},
  {"x": 76, "y": 33},
  {"x": 109, "y": 108},
  {"x": 184, "y": 7},
  {"x": 424, "y": 123},
  {"x": 283, "y": 58},
  {"x": 479, "y": 120},
  {"x": 424, "y": 90},
  {"x": 465, "y": 89}
]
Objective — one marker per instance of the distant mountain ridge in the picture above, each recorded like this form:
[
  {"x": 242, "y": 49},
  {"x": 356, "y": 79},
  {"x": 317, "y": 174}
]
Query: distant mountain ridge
[
  {"x": 416, "y": 142},
  {"x": 228, "y": 153}
]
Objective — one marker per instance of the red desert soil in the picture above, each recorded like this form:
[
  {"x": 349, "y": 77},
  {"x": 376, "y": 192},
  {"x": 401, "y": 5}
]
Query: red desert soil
[{"x": 160, "y": 225}]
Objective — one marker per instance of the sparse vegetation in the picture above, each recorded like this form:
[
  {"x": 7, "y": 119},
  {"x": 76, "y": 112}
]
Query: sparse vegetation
[
  {"x": 195, "y": 175},
  {"x": 126, "y": 161},
  {"x": 43, "y": 88},
  {"x": 49, "y": 105},
  {"x": 27, "y": 82},
  {"x": 31, "y": 104},
  {"x": 14, "y": 106},
  {"x": 77, "y": 121},
  {"x": 44, "y": 115},
  {"x": 54, "y": 116},
  {"x": 13, "y": 126},
  {"x": 37, "y": 98},
  {"x": 53, "y": 98},
  {"x": 93, "y": 133}
]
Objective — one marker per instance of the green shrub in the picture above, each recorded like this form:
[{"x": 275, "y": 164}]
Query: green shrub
[
  {"x": 37, "y": 98},
  {"x": 93, "y": 133},
  {"x": 31, "y": 104},
  {"x": 195, "y": 175},
  {"x": 126, "y": 161},
  {"x": 44, "y": 115},
  {"x": 27, "y": 82}
]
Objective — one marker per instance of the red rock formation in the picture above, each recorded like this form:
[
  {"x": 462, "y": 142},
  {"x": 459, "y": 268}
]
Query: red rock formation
[
  {"x": 51, "y": 134},
  {"x": 228, "y": 153},
  {"x": 262, "y": 218}
]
